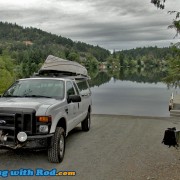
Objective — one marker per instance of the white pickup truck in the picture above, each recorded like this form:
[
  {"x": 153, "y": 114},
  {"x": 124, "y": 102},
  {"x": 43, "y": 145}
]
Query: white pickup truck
[{"x": 39, "y": 112}]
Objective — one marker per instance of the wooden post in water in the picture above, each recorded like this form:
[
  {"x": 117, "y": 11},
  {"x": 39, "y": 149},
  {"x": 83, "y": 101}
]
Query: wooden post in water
[
  {"x": 171, "y": 102},
  {"x": 174, "y": 105}
]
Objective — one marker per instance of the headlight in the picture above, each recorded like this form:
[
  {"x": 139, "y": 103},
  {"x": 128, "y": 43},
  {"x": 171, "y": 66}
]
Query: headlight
[
  {"x": 43, "y": 128},
  {"x": 22, "y": 136}
]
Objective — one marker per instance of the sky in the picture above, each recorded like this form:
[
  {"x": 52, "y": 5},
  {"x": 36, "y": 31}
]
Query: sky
[{"x": 111, "y": 24}]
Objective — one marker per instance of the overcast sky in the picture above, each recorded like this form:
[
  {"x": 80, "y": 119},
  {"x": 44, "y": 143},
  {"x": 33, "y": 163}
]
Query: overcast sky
[{"x": 112, "y": 24}]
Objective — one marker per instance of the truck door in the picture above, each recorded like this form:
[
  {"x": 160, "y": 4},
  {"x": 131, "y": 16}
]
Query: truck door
[
  {"x": 72, "y": 107},
  {"x": 85, "y": 95}
]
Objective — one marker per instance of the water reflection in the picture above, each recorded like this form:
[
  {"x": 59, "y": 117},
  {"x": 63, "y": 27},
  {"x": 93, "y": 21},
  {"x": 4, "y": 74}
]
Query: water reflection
[
  {"x": 100, "y": 78},
  {"x": 153, "y": 75},
  {"x": 131, "y": 91}
]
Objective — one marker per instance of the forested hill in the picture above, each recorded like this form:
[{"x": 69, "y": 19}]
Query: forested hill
[
  {"x": 147, "y": 56},
  {"x": 23, "y": 50},
  {"x": 153, "y": 52},
  {"x": 17, "y": 38}
]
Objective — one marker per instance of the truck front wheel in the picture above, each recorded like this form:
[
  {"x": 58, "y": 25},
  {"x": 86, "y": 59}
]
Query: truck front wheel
[{"x": 57, "y": 149}]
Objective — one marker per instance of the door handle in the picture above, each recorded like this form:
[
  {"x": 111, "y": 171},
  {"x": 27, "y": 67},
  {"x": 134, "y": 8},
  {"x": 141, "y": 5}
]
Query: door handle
[{"x": 66, "y": 109}]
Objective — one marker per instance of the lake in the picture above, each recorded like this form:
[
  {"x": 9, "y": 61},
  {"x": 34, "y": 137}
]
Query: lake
[{"x": 113, "y": 95}]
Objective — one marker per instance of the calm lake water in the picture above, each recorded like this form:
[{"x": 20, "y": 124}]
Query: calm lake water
[{"x": 127, "y": 97}]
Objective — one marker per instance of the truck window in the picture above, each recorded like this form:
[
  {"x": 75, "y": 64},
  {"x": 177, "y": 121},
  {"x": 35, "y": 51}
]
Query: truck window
[
  {"x": 36, "y": 88},
  {"x": 76, "y": 87},
  {"x": 70, "y": 89},
  {"x": 83, "y": 87}
]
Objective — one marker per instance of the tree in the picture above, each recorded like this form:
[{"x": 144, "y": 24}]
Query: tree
[
  {"x": 73, "y": 56},
  {"x": 176, "y": 22},
  {"x": 159, "y": 3},
  {"x": 121, "y": 59},
  {"x": 91, "y": 63},
  {"x": 173, "y": 77},
  {"x": 6, "y": 72}
]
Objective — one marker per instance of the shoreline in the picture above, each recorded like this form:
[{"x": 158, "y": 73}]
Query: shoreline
[{"x": 136, "y": 116}]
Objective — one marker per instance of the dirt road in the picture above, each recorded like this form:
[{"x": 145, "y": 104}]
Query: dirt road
[{"x": 117, "y": 147}]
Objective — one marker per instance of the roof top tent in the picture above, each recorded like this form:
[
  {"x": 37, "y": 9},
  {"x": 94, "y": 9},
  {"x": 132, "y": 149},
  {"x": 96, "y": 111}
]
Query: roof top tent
[{"x": 54, "y": 66}]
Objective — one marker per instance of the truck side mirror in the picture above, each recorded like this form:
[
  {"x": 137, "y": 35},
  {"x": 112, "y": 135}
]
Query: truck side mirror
[{"x": 74, "y": 98}]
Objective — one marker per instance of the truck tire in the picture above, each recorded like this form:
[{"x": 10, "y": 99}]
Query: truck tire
[
  {"x": 57, "y": 149},
  {"x": 86, "y": 123}
]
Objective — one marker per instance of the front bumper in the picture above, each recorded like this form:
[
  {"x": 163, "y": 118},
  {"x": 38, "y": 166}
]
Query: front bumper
[
  {"x": 32, "y": 142},
  {"x": 15, "y": 120}
]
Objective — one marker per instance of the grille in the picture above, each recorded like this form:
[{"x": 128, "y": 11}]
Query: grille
[{"x": 13, "y": 122}]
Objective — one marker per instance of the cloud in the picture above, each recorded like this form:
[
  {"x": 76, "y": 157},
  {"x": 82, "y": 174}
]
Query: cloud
[{"x": 111, "y": 24}]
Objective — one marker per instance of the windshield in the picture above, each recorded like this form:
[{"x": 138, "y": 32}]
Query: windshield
[{"x": 47, "y": 88}]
